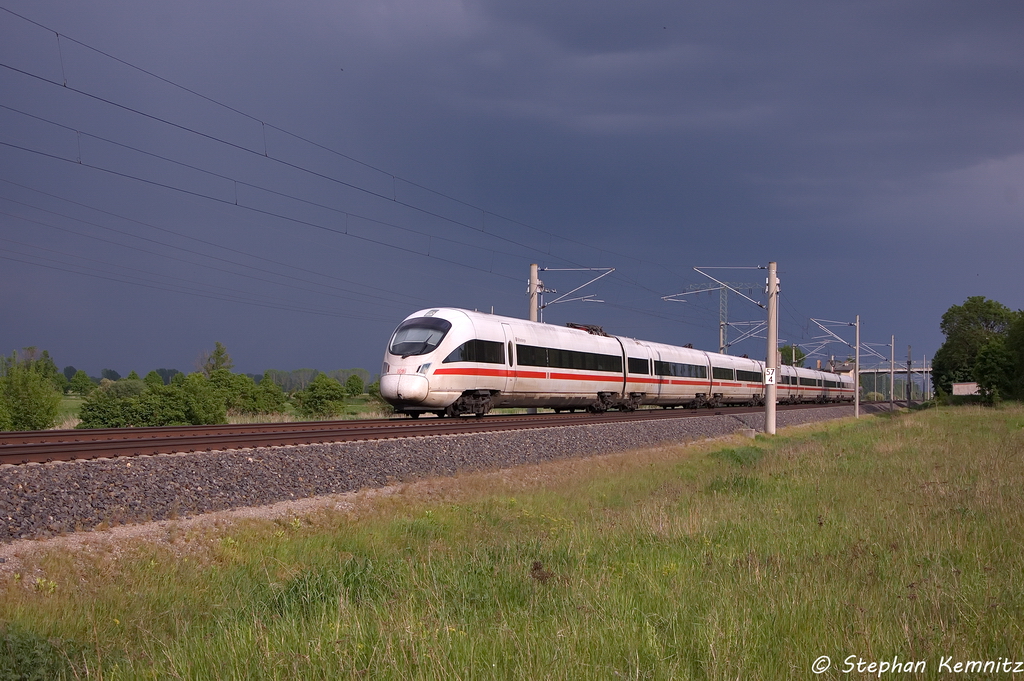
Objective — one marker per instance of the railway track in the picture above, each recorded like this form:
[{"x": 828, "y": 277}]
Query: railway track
[{"x": 70, "y": 445}]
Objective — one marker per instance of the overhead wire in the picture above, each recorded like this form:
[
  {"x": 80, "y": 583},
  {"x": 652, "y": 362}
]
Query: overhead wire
[
  {"x": 215, "y": 295},
  {"x": 241, "y": 147},
  {"x": 317, "y": 145},
  {"x": 182, "y": 260}
]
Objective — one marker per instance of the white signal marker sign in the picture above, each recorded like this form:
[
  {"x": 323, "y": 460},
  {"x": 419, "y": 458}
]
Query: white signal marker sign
[{"x": 769, "y": 376}]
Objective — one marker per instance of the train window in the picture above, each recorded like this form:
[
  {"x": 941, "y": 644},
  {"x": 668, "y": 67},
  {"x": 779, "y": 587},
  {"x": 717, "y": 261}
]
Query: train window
[
  {"x": 680, "y": 370},
  {"x": 750, "y": 376},
  {"x": 557, "y": 358},
  {"x": 588, "y": 361},
  {"x": 419, "y": 336},
  {"x": 722, "y": 373},
  {"x": 639, "y": 366},
  {"x": 487, "y": 352},
  {"x": 532, "y": 356},
  {"x": 808, "y": 381}
]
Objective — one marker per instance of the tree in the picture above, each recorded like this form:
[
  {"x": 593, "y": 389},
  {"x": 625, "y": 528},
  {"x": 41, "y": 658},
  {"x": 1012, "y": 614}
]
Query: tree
[
  {"x": 81, "y": 384},
  {"x": 69, "y": 372},
  {"x": 132, "y": 376},
  {"x": 218, "y": 359},
  {"x": 31, "y": 400},
  {"x": 324, "y": 398},
  {"x": 153, "y": 380},
  {"x": 110, "y": 374},
  {"x": 42, "y": 364},
  {"x": 167, "y": 374},
  {"x": 1015, "y": 348},
  {"x": 354, "y": 385},
  {"x": 787, "y": 352},
  {"x": 968, "y": 328},
  {"x": 993, "y": 369}
]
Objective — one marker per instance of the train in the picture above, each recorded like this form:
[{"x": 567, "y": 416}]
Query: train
[{"x": 453, "y": 362}]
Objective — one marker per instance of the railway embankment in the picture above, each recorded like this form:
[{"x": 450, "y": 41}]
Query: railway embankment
[{"x": 50, "y": 499}]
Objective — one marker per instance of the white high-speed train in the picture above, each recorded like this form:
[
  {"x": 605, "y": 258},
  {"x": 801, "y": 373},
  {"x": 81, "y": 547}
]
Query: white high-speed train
[{"x": 453, "y": 362}]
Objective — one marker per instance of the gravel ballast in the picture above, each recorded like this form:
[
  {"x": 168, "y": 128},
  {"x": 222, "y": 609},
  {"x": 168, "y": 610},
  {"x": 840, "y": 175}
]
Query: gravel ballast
[{"x": 50, "y": 499}]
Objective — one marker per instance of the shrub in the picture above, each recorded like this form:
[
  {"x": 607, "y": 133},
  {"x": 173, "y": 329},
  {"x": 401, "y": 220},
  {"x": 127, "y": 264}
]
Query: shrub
[
  {"x": 5, "y": 416},
  {"x": 242, "y": 395},
  {"x": 354, "y": 385},
  {"x": 373, "y": 390},
  {"x": 268, "y": 398},
  {"x": 31, "y": 399},
  {"x": 188, "y": 401},
  {"x": 324, "y": 398}
]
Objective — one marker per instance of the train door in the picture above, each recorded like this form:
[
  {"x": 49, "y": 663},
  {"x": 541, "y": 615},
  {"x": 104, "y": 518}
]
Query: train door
[{"x": 510, "y": 359}]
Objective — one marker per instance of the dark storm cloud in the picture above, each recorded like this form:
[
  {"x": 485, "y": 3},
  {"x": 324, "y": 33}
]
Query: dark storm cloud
[{"x": 873, "y": 149}]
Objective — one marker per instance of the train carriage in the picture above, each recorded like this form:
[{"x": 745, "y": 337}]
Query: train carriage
[{"x": 452, "y": 362}]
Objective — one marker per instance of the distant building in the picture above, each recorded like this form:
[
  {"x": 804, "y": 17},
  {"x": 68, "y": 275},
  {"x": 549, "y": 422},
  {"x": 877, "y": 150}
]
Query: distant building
[
  {"x": 844, "y": 368},
  {"x": 965, "y": 388}
]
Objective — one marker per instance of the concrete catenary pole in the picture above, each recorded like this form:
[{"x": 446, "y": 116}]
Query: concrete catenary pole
[
  {"x": 772, "y": 351},
  {"x": 856, "y": 372},
  {"x": 534, "y": 290},
  {"x": 892, "y": 373}
]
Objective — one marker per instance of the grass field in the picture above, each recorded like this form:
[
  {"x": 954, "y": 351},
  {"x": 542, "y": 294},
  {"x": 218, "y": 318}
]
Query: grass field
[{"x": 885, "y": 537}]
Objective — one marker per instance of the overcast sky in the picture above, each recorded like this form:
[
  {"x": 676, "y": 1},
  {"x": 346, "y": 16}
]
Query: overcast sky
[{"x": 293, "y": 179}]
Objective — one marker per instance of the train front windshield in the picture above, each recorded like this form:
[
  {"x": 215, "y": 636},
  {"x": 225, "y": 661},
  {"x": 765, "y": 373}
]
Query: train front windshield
[{"x": 419, "y": 336}]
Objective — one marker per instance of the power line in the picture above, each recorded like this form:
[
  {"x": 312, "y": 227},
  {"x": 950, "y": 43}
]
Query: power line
[
  {"x": 265, "y": 153},
  {"x": 393, "y": 198},
  {"x": 171, "y": 246},
  {"x": 178, "y": 289}
]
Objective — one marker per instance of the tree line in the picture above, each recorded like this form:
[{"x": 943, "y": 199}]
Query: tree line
[
  {"x": 984, "y": 345},
  {"x": 31, "y": 388}
]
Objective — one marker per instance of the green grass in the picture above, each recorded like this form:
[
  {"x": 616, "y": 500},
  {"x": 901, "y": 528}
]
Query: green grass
[
  {"x": 67, "y": 414},
  {"x": 881, "y": 537}
]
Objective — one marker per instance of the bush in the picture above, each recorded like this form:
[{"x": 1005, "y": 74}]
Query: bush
[
  {"x": 874, "y": 397},
  {"x": 268, "y": 397},
  {"x": 188, "y": 401},
  {"x": 324, "y": 398},
  {"x": 373, "y": 390},
  {"x": 31, "y": 400},
  {"x": 354, "y": 385},
  {"x": 242, "y": 395}
]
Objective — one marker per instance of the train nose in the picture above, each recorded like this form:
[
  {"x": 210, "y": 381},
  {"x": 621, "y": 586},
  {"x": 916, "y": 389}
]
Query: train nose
[{"x": 405, "y": 388}]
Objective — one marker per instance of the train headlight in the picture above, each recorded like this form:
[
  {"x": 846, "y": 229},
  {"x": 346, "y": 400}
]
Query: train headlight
[{"x": 385, "y": 368}]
